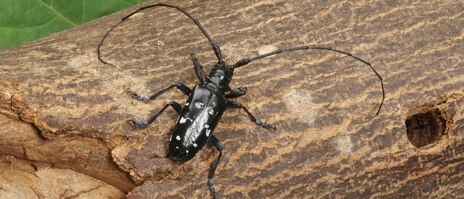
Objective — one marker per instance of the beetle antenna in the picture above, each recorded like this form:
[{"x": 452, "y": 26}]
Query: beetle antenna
[
  {"x": 216, "y": 49},
  {"x": 248, "y": 60}
]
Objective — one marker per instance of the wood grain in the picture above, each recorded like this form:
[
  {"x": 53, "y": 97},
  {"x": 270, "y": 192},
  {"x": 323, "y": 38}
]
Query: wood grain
[{"x": 328, "y": 143}]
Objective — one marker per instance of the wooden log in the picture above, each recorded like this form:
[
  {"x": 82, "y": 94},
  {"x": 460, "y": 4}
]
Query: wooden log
[
  {"x": 328, "y": 142},
  {"x": 32, "y": 179}
]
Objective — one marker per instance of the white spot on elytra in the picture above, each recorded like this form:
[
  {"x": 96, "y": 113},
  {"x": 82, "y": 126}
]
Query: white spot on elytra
[
  {"x": 178, "y": 138},
  {"x": 199, "y": 105},
  {"x": 177, "y": 147},
  {"x": 344, "y": 144},
  {"x": 208, "y": 131},
  {"x": 186, "y": 151},
  {"x": 206, "y": 126},
  {"x": 300, "y": 103},
  {"x": 266, "y": 49},
  {"x": 195, "y": 145},
  {"x": 192, "y": 133},
  {"x": 186, "y": 103},
  {"x": 182, "y": 120},
  {"x": 221, "y": 77},
  {"x": 210, "y": 111}
]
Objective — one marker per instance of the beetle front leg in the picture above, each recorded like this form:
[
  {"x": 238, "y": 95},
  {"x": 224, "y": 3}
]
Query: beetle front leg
[
  {"x": 176, "y": 106},
  {"x": 240, "y": 91},
  {"x": 215, "y": 142},
  {"x": 232, "y": 104},
  {"x": 198, "y": 69},
  {"x": 182, "y": 87}
]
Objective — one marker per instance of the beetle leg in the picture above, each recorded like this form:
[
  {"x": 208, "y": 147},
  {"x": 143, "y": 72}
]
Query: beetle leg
[
  {"x": 198, "y": 69},
  {"x": 240, "y": 91},
  {"x": 182, "y": 87},
  {"x": 176, "y": 106},
  {"x": 215, "y": 142},
  {"x": 232, "y": 104}
]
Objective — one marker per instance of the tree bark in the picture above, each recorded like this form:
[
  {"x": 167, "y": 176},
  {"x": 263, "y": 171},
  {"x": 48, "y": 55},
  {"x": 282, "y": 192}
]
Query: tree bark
[{"x": 61, "y": 106}]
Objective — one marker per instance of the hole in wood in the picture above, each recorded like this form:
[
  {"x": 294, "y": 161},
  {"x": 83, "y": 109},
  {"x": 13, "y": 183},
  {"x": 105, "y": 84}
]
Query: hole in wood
[{"x": 425, "y": 127}]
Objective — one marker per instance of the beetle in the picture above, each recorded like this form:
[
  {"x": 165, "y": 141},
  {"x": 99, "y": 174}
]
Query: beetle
[{"x": 208, "y": 100}]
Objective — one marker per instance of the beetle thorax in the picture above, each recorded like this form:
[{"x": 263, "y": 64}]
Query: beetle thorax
[{"x": 221, "y": 76}]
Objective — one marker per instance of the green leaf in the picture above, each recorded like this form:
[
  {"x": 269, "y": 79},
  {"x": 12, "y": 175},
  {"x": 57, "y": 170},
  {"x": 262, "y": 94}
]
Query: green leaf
[{"x": 26, "y": 20}]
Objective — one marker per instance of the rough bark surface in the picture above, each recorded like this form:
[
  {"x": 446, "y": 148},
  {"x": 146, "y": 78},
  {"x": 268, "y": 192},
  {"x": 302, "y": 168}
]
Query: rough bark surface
[
  {"x": 61, "y": 106},
  {"x": 29, "y": 179}
]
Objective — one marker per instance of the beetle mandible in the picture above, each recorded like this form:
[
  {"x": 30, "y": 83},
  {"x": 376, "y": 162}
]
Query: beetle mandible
[{"x": 209, "y": 98}]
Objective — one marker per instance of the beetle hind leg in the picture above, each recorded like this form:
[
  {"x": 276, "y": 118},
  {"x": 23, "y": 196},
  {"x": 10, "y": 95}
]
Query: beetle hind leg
[
  {"x": 215, "y": 142},
  {"x": 176, "y": 106},
  {"x": 182, "y": 87}
]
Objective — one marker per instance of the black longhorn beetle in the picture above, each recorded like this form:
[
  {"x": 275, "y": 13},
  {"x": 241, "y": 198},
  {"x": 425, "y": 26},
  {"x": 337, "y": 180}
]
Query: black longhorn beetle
[{"x": 209, "y": 99}]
